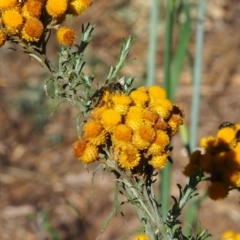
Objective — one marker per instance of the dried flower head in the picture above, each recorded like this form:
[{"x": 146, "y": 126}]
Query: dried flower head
[{"x": 32, "y": 8}]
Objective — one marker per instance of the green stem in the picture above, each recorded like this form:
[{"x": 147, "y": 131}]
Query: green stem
[
  {"x": 197, "y": 74},
  {"x": 166, "y": 172},
  {"x": 153, "y": 41}
]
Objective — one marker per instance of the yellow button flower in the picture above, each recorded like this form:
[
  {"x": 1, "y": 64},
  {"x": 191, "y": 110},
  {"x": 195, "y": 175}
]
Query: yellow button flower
[
  {"x": 110, "y": 119},
  {"x": 121, "y": 103},
  {"x": 143, "y": 136},
  {"x": 56, "y": 8},
  {"x": 129, "y": 157},
  {"x": 96, "y": 113},
  {"x": 32, "y": 30},
  {"x": 77, "y": 7},
  {"x": 150, "y": 116},
  {"x": 66, "y": 36},
  {"x": 85, "y": 152},
  {"x": 134, "y": 117},
  {"x": 12, "y": 20},
  {"x": 156, "y": 92},
  {"x": 94, "y": 133},
  {"x": 140, "y": 98},
  {"x": 79, "y": 147},
  {"x": 161, "y": 141},
  {"x": 5, "y": 4},
  {"x": 162, "y": 106},
  {"x": 159, "y": 161},
  {"x": 122, "y": 133},
  {"x": 32, "y": 8}
]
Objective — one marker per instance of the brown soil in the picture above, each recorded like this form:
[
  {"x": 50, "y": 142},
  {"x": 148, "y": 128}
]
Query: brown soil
[{"x": 39, "y": 175}]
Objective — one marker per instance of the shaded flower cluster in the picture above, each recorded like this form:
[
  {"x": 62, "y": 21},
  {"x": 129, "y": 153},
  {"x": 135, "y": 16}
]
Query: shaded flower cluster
[
  {"x": 134, "y": 130},
  {"x": 220, "y": 159},
  {"x": 29, "y": 20}
]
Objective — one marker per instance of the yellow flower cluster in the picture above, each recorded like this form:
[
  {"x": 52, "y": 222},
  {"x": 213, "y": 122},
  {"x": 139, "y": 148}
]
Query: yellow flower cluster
[
  {"x": 230, "y": 235},
  {"x": 29, "y": 20},
  {"x": 221, "y": 159},
  {"x": 135, "y": 130}
]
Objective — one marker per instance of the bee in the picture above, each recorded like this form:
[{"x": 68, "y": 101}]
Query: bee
[
  {"x": 105, "y": 91},
  {"x": 225, "y": 124}
]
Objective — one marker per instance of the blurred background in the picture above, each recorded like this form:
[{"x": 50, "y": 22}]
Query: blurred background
[{"x": 45, "y": 193}]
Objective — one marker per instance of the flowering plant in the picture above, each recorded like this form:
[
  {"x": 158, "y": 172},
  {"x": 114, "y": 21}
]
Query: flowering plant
[{"x": 126, "y": 131}]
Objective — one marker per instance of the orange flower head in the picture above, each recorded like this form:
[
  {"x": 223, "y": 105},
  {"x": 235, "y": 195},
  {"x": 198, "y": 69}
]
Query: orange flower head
[
  {"x": 156, "y": 92},
  {"x": 110, "y": 119},
  {"x": 129, "y": 157},
  {"x": 32, "y": 30},
  {"x": 162, "y": 106},
  {"x": 217, "y": 191},
  {"x": 140, "y": 98},
  {"x": 6, "y": 4},
  {"x": 159, "y": 144},
  {"x": 159, "y": 161},
  {"x": 56, "y": 8},
  {"x": 77, "y": 7},
  {"x": 150, "y": 116},
  {"x": 12, "y": 20},
  {"x": 94, "y": 133},
  {"x": 122, "y": 133},
  {"x": 90, "y": 154},
  {"x": 79, "y": 147},
  {"x": 3, "y": 37},
  {"x": 32, "y": 8},
  {"x": 66, "y": 36},
  {"x": 121, "y": 136},
  {"x": 121, "y": 103}
]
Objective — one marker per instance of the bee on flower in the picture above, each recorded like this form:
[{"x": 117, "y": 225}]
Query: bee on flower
[{"x": 136, "y": 129}]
